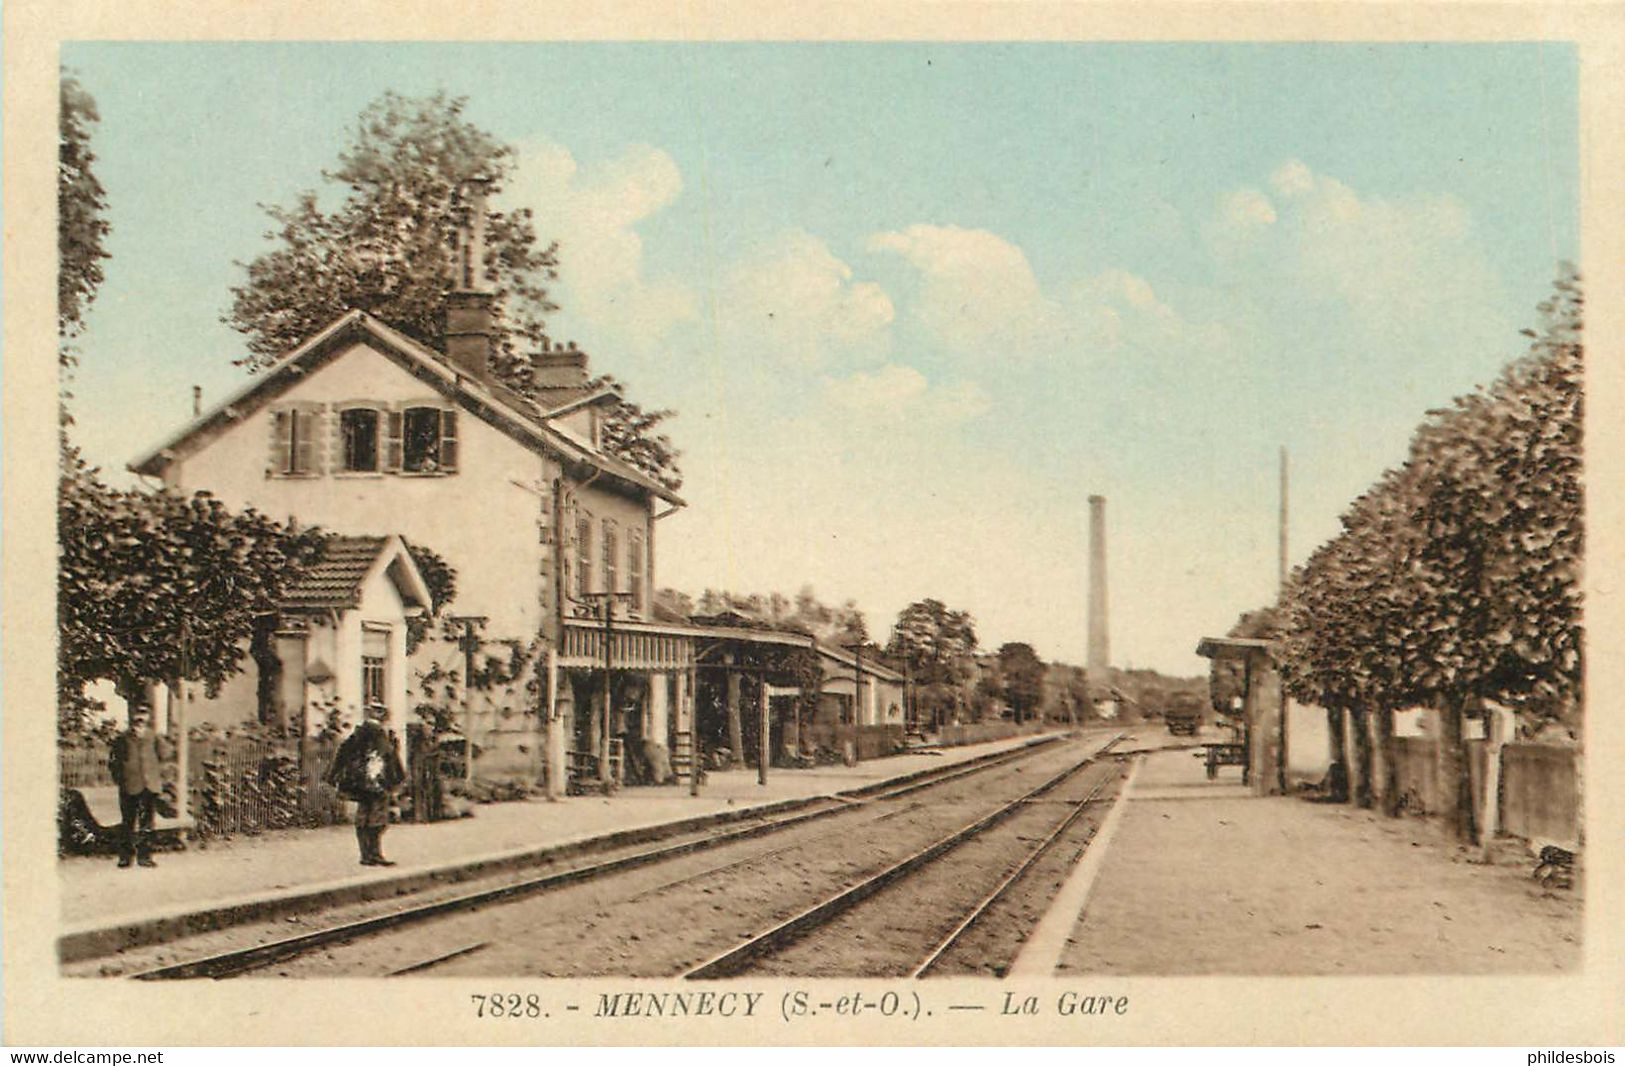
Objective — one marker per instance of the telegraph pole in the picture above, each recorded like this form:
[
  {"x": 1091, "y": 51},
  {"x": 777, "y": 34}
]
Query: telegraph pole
[
  {"x": 1286, "y": 704},
  {"x": 608, "y": 599}
]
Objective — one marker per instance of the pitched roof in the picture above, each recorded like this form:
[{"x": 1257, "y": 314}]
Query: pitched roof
[
  {"x": 337, "y": 578},
  {"x": 491, "y": 401}
]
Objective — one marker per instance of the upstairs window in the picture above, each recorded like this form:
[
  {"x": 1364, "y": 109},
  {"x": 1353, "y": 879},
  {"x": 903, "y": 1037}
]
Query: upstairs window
[
  {"x": 358, "y": 433},
  {"x": 583, "y": 557},
  {"x": 293, "y": 441},
  {"x": 610, "y": 548},
  {"x": 423, "y": 440},
  {"x": 634, "y": 567}
]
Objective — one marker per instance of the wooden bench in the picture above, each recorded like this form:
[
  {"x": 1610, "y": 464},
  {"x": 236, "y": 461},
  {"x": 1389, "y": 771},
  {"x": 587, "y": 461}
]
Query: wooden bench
[
  {"x": 582, "y": 771},
  {"x": 1227, "y": 755}
]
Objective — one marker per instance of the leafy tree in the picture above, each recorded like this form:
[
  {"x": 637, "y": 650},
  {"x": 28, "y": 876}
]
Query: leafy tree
[
  {"x": 1456, "y": 580},
  {"x": 1022, "y": 674},
  {"x": 937, "y": 645},
  {"x": 390, "y": 248},
  {"x": 147, "y": 581},
  {"x": 81, "y": 231}
]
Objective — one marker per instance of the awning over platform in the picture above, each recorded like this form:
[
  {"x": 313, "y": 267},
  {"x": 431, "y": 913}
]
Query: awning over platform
[{"x": 1231, "y": 647}]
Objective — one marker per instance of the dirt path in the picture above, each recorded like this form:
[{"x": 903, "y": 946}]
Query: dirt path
[{"x": 1201, "y": 880}]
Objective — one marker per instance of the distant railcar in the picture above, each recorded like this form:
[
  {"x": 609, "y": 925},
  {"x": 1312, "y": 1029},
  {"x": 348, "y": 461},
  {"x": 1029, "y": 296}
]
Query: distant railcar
[{"x": 1183, "y": 714}]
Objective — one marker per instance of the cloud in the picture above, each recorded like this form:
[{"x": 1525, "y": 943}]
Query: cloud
[
  {"x": 906, "y": 393},
  {"x": 797, "y": 300},
  {"x": 1292, "y": 178},
  {"x": 594, "y": 213},
  {"x": 977, "y": 291}
]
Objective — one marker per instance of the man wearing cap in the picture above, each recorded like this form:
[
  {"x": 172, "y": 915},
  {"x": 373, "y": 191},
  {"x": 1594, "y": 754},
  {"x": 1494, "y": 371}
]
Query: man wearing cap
[
  {"x": 139, "y": 776},
  {"x": 367, "y": 769}
]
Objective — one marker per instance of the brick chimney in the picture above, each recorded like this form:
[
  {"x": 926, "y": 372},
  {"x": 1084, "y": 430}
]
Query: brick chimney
[
  {"x": 469, "y": 319},
  {"x": 561, "y": 367}
]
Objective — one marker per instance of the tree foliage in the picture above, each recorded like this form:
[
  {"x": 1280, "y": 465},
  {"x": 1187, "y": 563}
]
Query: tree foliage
[
  {"x": 1021, "y": 672},
  {"x": 806, "y": 613},
  {"x": 1457, "y": 577},
  {"x": 81, "y": 231},
  {"x": 937, "y": 646},
  {"x": 138, "y": 572},
  {"x": 390, "y": 246}
]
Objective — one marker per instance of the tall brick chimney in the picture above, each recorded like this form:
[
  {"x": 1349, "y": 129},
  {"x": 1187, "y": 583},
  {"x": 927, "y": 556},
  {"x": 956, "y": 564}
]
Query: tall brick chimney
[
  {"x": 470, "y": 319},
  {"x": 1100, "y": 653}
]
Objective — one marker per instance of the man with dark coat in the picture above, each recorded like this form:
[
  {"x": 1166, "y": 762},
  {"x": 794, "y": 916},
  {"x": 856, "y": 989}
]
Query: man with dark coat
[
  {"x": 366, "y": 769},
  {"x": 134, "y": 762}
]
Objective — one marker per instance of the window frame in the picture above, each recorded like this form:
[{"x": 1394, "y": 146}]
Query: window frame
[
  {"x": 634, "y": 567},
  {"x": 296, "y": 453},
  {"x": 608, "y": 549},
  {"x": 446, "y": 448},
  {"x": 380, "y": 431},
  {"x": 583, "y": 556}
]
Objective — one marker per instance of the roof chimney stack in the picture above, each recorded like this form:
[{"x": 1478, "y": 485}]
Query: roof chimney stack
[
  {"x": 469, "y": 321},
  {"x": 559, "y": 367}
]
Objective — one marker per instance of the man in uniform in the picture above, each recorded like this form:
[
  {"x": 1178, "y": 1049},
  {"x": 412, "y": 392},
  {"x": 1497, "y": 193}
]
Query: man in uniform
[{"x": 139, "y": 776}]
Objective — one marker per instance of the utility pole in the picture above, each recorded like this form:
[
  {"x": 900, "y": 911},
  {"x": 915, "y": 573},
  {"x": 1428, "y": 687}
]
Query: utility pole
[
  {"x": 1286, "y": 704},
  {"x": 857, "y": 691},
  {"x": 469, "y": 642},
  {"x": 608, "y": 600}
]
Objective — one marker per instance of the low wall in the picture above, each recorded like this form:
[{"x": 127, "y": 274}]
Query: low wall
[
  {"x": 868, "y": 741},
  {"x": 1539, "y": 793},
  {"x": 953, "y": 736}
]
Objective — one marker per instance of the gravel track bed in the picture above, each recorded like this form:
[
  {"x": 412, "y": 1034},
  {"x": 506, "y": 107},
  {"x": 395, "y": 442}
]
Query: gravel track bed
[
  {"x": 989, "y": 946},
  {"x": 660, "y": 920},
  {"x": 891, "y": 932}
]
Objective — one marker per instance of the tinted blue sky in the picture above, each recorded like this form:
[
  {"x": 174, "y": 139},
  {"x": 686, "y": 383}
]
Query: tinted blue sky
[{"x": 916, "y": 302}]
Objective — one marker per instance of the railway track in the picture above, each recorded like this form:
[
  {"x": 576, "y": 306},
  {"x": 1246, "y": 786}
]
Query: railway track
[
  {"x": 855, "y": 803},
  {"x": 839, "y": 918}
]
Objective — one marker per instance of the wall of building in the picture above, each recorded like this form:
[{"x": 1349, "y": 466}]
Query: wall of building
[{"x": 482, "y": 523}]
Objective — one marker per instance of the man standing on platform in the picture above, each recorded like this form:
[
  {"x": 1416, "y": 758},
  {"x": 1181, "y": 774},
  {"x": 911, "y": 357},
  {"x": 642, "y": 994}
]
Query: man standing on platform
[
  {"x": 367, "y": 769},
  {"x": 134, "y": 763}
]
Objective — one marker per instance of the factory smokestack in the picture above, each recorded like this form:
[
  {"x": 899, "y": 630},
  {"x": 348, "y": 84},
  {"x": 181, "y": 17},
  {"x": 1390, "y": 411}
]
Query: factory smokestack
[{"x": 1100, "y": 652}]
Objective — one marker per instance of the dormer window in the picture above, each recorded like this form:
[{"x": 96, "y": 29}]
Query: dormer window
[{"x": 358, "y": 433}]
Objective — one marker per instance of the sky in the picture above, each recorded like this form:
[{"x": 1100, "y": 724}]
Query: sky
[{"x": 915, "y": 303}]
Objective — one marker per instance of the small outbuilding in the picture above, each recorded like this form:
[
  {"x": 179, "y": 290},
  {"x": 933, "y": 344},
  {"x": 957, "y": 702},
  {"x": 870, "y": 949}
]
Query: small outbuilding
[{"x": 1262, "y": 703}]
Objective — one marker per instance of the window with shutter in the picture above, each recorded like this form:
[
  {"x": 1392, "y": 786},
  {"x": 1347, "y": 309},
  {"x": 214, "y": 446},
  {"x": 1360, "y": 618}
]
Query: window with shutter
[
  {"x": 358, "y": 435},
  {"x": 305, "y": 426},
  {"x": 281, "y": 442},
  {"x": 294, "y": 441},
  {"x": 392, "y": 440},
  {"x": 634, "y": 567},
  {"x": 448, "y": 441},
  {"x": 609, "y": 556},
  {"x": 583, "y": 557}
]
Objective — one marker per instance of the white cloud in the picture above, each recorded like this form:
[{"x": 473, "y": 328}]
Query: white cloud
[
  {"x": 905, "y": 392},
  {"x": 978, "y": 290},
  {"x": 798, "y": 300},
  {"x": 594, "y": 214},
  {"x": 1292, "y": 178}
]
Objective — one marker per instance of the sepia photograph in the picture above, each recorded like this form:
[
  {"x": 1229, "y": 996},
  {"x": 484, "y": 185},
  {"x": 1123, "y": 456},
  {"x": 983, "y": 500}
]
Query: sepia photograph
[{"x": 707, "y": 517}]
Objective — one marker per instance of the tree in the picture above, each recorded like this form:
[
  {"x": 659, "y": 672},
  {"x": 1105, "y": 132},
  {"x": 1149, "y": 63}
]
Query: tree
[
  {"x": 1022, "y": 672},
  {"x": 1456, "y": 580},
  {"x": 161, "y": 587},
  {"x": 390, "y": 248},
  {"x": 81, "y": 231},
  {"x": 937, "y": 645}
]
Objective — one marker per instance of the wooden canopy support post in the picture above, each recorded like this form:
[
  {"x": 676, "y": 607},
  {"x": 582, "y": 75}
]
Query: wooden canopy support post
[
  {"x": 553, "y": 725},
  {"x": 688, "y": 704},
  {"x": 736, "y": 733},
  {"x": 762, "y": 746}
]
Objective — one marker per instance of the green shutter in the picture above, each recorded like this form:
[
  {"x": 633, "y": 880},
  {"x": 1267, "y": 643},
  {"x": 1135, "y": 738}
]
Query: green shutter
[
  {"x": 448, "y": 441},
  {"x": 281, "y": 441},
  {"x": 392, "y": 441}
]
